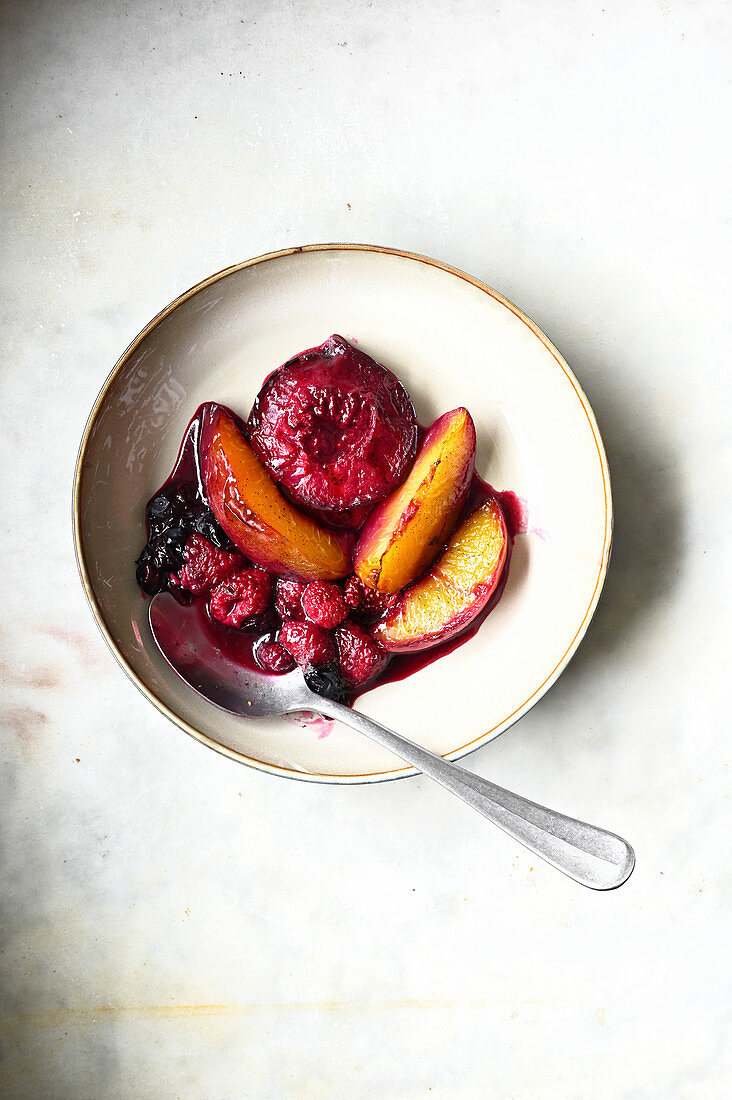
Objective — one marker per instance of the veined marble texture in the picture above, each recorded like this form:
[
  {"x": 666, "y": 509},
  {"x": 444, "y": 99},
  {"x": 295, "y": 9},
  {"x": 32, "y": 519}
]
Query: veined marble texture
[{"x": 177, "y": 925}]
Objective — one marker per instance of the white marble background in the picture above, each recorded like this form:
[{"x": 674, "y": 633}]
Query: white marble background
[{"x": 176, "y": 925}]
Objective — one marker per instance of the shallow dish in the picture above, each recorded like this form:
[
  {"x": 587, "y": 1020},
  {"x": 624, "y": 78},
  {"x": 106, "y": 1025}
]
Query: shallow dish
[{"x": 452, "y": 341}]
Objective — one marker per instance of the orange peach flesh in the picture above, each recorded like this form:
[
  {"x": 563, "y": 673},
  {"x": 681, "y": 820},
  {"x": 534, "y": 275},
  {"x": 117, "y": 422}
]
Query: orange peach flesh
[
  {"x": 455, "y": 590},
  {"x": 405, "y": 532},
  {"x": 254, "y": 514}
]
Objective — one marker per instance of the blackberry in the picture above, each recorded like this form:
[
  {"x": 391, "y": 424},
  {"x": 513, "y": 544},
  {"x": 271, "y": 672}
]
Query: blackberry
[
  {"x": 160, "y": 557},
  {"x": 175, "y": 513}
]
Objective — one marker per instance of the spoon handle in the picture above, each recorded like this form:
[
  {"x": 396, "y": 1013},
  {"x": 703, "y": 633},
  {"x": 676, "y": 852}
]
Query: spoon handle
[{"x": 591, "y": 856}]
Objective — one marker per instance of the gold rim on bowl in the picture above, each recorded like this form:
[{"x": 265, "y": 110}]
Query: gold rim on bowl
[{"x": 261, "y": 765}]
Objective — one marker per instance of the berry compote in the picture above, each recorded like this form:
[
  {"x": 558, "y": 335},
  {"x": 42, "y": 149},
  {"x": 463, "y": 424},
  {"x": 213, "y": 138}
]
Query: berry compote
[{"x": 337, "y": 431}]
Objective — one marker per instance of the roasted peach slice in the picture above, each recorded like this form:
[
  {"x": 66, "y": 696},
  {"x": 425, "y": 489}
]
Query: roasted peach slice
[
  {"x": 254, "y": 514},
  {"x": 455, "y": 591},
  {"x": 404, "y": 534}
]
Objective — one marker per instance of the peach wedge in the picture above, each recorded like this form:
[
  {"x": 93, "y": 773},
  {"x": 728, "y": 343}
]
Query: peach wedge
[
  {"x": 404, "y": 533},
  {"x": 455, "y": 591},
  {"x": 251, "y": 510}
]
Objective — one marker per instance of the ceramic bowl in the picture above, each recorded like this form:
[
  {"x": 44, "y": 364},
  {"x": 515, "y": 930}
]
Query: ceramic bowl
[{"x": 453, "y": 341}]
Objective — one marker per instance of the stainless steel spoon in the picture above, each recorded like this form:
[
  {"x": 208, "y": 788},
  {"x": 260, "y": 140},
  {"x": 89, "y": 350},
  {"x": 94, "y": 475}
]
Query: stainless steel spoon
[{"x": 590, "y": 855}]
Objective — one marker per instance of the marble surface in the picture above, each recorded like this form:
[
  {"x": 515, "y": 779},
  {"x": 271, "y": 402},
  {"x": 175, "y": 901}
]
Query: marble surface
[{"x": 175, "y": 925}]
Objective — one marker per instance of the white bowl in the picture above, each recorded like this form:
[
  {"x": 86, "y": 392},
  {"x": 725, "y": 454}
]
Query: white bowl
[{"x": 452, "y": 341}]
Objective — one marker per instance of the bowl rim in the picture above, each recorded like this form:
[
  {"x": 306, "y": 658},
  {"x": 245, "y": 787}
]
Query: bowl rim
[{"x": 84, "y": 573}]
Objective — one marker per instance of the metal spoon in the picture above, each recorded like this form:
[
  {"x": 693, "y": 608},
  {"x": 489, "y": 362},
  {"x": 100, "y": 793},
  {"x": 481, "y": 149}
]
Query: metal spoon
[{"x": 590, "y": 855}]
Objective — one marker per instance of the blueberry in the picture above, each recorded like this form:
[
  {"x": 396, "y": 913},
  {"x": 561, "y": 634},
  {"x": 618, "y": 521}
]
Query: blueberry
[
  {"x": 175, "y": 538},
  {"x": 207, "y": 526},
  {"x": 326, "y": 680},
  {"x": 183, "y": 496},
  {"x": 148, "y": 576},
  {"x": 173, "y": 514},
  {"x": 166, "y": 552},
  {"x": 160, "y": 508}
]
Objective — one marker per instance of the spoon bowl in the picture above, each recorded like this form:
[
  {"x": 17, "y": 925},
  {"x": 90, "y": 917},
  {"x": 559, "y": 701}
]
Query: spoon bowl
[{"x": 232, "y": 687}]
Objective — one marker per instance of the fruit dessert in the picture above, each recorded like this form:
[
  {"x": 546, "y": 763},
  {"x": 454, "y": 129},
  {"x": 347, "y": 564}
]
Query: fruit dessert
[{"x": 329, "y": 530}]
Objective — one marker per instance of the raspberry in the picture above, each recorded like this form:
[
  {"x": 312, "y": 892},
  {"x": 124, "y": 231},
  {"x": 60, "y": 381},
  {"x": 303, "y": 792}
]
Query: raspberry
[
  {"x": 360, "y": 656},
  {"x": 288, "y": 599},
  {"x": 308, "y": 643},
  {"x": 366, "y": 602},
  {"x": 205, "y": 566},
  {"x": 324, "y": 604},
  {"x": 273, "y": 657},
  {"x": 176, "y": 512},
  {"x": 241, "y": 597},
  {"x": 352, "y": 592}
]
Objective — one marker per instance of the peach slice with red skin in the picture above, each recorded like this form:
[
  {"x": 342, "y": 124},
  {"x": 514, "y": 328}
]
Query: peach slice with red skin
[
  {"x": 404, "y": 533},
  {"x": 257, "y": 518},
  {"x": 455, "y": 591}
]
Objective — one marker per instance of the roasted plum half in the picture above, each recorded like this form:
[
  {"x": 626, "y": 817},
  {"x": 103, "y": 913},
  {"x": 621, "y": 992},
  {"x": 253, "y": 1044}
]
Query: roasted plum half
[{"x": 336, "y": 430}]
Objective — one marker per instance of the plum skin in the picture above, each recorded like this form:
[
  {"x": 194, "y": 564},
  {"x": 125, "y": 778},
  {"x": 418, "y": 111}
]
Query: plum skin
[{"x": 336, "y": 430}]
